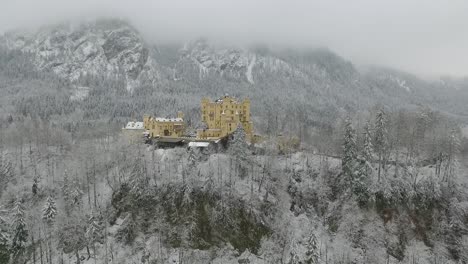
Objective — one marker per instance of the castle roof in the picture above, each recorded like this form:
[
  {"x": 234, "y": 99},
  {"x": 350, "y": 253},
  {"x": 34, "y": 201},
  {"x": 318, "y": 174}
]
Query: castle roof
[{"x": 162, "y": 119}]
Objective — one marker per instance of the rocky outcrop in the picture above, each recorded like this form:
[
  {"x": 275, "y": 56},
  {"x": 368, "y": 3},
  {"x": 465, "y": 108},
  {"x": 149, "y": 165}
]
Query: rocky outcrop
[{"x": 107, "y": 48}]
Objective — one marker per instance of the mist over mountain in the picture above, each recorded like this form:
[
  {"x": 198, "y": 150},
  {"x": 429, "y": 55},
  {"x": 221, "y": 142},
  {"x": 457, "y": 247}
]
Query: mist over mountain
[{"x": 114, "y": 49}]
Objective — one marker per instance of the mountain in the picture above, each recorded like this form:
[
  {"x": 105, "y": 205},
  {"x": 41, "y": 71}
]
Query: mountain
[
  {"x": 313, "y": 80},
  {"x": 106, "y": 48}
]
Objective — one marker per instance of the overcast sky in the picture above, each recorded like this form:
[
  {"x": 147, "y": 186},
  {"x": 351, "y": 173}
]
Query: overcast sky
[{"x": 426, "y": 37}]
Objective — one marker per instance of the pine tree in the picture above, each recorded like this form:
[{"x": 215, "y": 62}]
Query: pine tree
[
  {"x": 49, "y": 212},
  {"x": 312, "y": 254},
  {"x": 35, "y": 186},
  {"x": 367, "y": 153},
  {"x": 193, "y": 157},
  {"x": 361, "y": 183},
  {"x": 348, "y": 163},
  {"x": 71, "y": 192},
  {"x": 94, "y": 233},
  {"x": 239, "y": 149},
  {"x": 4, "y": 236},
  {"x": 238, "y": 146},
  {"x": 381, "y": 138},
  {"x": 94, "y": 230},
  {"x": 368, "y": 148},
  {"x": 20, "y": 235},
  {"x": 452, "y": 164},
  {"x": 4, "y": 241}
]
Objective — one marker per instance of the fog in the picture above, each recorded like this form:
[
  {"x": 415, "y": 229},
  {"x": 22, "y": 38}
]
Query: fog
[{"x": 428, "y": 38}]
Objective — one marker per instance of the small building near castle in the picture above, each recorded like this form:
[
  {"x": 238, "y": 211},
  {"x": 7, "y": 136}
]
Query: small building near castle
[
  {"x": 134, "y": 131},
  {"x": 223, "y": 116},
  {"x": 158, "y": 127}
]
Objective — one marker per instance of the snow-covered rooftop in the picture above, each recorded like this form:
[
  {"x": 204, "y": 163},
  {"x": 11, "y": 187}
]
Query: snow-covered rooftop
[
  {"x": 134, "y": 125},
  {"x": 161, "y": 119},
  {"x": 199, "y": 144}
]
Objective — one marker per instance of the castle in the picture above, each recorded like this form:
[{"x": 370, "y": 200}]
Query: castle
[{"x": 220, "y": 117}]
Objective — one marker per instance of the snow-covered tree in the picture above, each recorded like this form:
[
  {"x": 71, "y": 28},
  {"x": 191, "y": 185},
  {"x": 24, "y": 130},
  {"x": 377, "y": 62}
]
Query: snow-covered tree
[
  {"x": 239, "y": 149},
  {"x": 381, "y": 138},
  {"x": 312, "y": 254},
  {"x": 4, "y": 235},
  {"x": 349, "y": 161},
  {"x": 354, "y": 168},
  {"x": 368, "y": 147},
  {"x": 35, "y": 186},
  {"x": 20, "y": 233},
  {"x": 238, "y": 146},
  {"x": 72, "y": 193},
  {"x": 94, "y": 232},
  {"x": 451, "y": 164},
  {"x": 361, "y": 182},
  {"x": 49, "y": 211},
  {"x": 193, "y": 157},
  {"x": 6, "y": 173},
  {"x": 4, "y": 241}
]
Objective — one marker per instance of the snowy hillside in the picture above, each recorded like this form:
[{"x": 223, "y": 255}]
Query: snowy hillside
[
  {"x": 352, "y": 166},
  {"x": 115, "y": 50}
]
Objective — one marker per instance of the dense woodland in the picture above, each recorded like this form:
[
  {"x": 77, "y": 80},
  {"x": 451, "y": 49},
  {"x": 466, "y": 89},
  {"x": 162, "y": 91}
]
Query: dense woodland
[{"x": 379, "y": 181}]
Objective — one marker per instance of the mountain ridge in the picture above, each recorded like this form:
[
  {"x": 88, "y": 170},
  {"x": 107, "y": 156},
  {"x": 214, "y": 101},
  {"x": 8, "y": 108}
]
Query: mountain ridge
[{"x": 113, "y": 48}]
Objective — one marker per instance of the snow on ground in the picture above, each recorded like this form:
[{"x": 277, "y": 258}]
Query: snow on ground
[{"x": 360, "y": 236}]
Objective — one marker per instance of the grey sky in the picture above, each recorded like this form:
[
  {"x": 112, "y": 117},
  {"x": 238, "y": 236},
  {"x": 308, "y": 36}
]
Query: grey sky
[{"x": 426, "y": 37}]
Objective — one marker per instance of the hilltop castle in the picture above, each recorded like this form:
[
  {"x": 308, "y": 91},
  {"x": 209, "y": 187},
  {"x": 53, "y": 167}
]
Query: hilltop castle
[{"x": 220, "y": 117}]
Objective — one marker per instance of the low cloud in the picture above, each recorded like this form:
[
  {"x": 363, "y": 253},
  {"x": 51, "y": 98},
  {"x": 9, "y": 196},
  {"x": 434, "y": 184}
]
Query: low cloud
[{"x": 424, "y": 37}]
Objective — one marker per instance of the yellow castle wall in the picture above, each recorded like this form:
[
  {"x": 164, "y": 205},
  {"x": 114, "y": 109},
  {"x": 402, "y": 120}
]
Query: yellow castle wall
[
  {"x": 157, "y": 128},
  {"x": 223, "y": 116}
]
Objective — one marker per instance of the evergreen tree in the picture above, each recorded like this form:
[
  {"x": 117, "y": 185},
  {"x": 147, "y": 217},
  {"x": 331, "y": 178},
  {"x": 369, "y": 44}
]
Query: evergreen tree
[
  {"x": 20, "y": 233},
  {"x": 368, "y": 148},
  {"x": 348, "y": 163},
  {"x": 193, "y": 157},
  {"x": 94, "y": 230},
  {"x": 71, "y": 193},
  {"x": 452, "y": 164},
  {"x": 4, "y": 239},
  {"x": 35, "y": 186},
  {"x": 354, "y": 168},
  {"x": 49, "y": 212},
  {"x": 312, "y": 254},
  {"x": 4, "y": 236},
  {"x": 238, "y": 146},
  {"x": 381, "y": 138},
  {"x": 239, "y": 149},
  {"x": 94, "y": 233},
  {"x": 361, "y": 183},
  {"x": 4, "y": 242},
  {"x": 6, "y": 173},
  {"x": 365, "y": 167}
]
